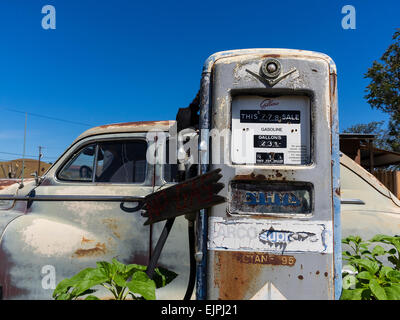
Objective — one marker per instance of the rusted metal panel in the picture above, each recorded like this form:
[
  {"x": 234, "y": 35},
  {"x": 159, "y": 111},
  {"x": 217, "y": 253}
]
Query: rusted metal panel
[
  {"x": 72, "y": 235},
  {"x": 264, "y": 258},
  {"x": 236, "y": 280},
  {"x": 4, "y": 183},
  {"x": 304, "y": 74},
  {"x": 183, "y": 198},
  {"x": 270, "y": 198},
  {"x": 277, "y": 236},
  {"x": 139, "y": 126}
]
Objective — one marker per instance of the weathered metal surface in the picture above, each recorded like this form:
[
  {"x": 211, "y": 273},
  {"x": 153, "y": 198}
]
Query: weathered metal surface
[
  {"x": 380, "y": 211},
  {"x": 278, "y": 236},
  {"x": 231, "y": 79},
  {"x": 263, "y": 198},
  {"x": 71, "y": 235},
  {"x": 236, "y": 280},
  {"x": 4, "y": 183},
  {"x": 201, "y": 221},
  {"x": 264, "y": 258},
  {"x": 183, "y": 198},
  {"x": 139, "y": 126}
]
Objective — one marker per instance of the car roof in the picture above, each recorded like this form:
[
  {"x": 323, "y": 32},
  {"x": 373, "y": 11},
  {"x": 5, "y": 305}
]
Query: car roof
[{"x": 138, "y": 126}]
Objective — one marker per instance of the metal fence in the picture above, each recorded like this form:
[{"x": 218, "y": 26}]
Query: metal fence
[{"x": 391, "y": 179}]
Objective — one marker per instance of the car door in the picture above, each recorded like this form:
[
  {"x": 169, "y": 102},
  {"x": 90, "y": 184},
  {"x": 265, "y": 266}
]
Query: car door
[{"x": 67, "y": 236}]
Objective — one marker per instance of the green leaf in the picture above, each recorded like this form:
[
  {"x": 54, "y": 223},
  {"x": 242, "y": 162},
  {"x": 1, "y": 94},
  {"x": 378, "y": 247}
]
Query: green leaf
[
  {"x": 371, "y": 266},
  {"x": 120, "y": 280},
  {"x": 62, "y": 288},
  {"x": 393, "y": 260},
  {"x": 346, "y": 254},
  {"x": 393, "y": 292},
  {"x": 355, "y": 294},
  {"x": 66, "y": 284},
  {"x": 90, "y": 279},
  {"x": 380, "y": 238},
  {"x": 377, "y": 290},
  {"x": 136, "y": 267},
  {"x": 106, "y": 268},
  {"x": 119, "y": 267},
  {"x": 349, "y": 282},
  {"x": 378, "y": 251},
  {"x": 163, "y": 276},
  {"x": 63, "y": 296},
  {"x": 143, "y": 285},
  {"x": 91, "y": 298},
  {"x": 383, "y": 272},
  {"x": 395, "y": 241},
  {"x": 365, "y": 275},
  {"x": 393, "y": 275}
]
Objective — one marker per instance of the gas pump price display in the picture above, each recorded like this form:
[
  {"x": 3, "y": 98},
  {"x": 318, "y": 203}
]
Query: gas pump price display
[
  {"x": 265, "y": 116},
  {"x": 271, "y": 130}
]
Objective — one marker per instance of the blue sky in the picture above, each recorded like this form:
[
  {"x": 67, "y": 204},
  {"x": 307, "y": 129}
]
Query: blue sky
[{"x": 120, "y": 60}]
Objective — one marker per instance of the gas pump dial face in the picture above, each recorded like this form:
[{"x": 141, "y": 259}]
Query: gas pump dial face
[{"x": 271, "y": 131}]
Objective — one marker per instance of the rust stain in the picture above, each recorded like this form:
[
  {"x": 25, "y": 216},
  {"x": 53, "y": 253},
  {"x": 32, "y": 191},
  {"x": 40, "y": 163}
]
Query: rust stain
[
  {"x": 10, "y": 288},
  {"x": 99, "y": 249},
  {"x": 271, "y": 56},
  {"x": 250, "y": 177},
  {"x": 264, "y": 258},
  {"x": 6, "y": 183},
  {"x": 134, "y": 124},
  {"x": 234, "y": 278},
  {"x": 333, "y": 86},
  {"x": 112, "y": 224},
  {"x": 261, "y": 177},
  {"x": 84, "y": 240}
]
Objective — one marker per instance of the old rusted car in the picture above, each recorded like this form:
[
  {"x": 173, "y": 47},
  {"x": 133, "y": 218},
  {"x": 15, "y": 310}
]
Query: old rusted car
[
  {"x": 67, "y": 236},
  {"x": 368, "y": 207}
]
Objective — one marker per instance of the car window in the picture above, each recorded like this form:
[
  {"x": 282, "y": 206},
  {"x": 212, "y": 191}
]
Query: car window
[
  {"x": 121, "y": 162},
  {"x": 80, "y": 167}
]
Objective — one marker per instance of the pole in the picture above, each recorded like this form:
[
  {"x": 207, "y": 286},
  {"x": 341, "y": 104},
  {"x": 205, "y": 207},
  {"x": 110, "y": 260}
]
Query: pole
[
  {"x": 23, "y": 153},
  {"x": 40, "y": 155}
]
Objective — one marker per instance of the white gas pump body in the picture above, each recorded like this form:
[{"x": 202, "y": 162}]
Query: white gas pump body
[{"x": 268, "y": 119}]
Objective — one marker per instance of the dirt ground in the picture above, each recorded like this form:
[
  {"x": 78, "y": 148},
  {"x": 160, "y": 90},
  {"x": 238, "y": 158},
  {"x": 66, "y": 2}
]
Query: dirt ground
[{"x": 13, "y": 168}]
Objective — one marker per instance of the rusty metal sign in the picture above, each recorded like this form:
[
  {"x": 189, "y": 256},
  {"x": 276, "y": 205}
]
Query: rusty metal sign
[
  {"x": 264, "y": 258},
  {"x": 277, "y": 237},
  {"x": 261, "y": 198},
  {"x": 183, "y": 198}
]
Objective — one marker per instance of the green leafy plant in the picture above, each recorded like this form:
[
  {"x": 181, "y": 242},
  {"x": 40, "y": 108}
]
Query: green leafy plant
[
  {"x": 121, "y": 280},
  {"x": 366, "y": 277}
]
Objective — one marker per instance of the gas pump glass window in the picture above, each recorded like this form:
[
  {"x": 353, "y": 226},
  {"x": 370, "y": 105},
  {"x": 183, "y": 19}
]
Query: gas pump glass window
[
  {"x": 80, "y": 167},
  {"x": 271, "y": 130},
  {"x": 121, "y": 162}
]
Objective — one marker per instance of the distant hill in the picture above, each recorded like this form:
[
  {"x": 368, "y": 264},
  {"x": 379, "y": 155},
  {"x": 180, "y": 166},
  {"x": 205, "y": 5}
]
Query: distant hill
[{"x": 14, "y": 167}]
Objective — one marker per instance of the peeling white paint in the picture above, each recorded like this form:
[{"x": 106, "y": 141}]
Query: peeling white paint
[
  {"x": 284, "y": 236},
  {"x": 268, "y": 292},
  {"x": 51, "y": 238}
]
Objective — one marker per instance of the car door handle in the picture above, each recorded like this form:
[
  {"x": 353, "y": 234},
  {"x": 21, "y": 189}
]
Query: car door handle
[
  {"x": 352, "y": 201},
  {"x": 138, "y": 207}
]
